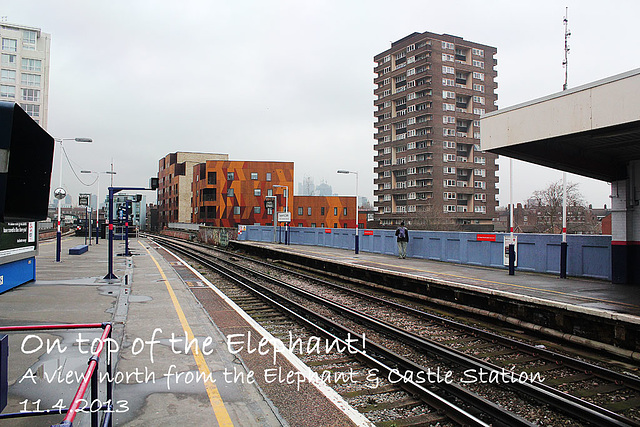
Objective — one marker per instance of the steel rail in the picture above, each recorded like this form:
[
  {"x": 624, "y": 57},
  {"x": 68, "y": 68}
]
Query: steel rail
[
  {"x": 562, "y": 401},
  {"x": 548, "y": 355},
  {"x": 588, "y": 368},
  {"x": 503, "y": 417}
]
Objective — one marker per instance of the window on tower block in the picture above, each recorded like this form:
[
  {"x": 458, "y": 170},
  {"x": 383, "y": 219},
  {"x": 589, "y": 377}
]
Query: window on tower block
[
  {"x": 31, "y": 95},
  {"x": 8, "y": 59},
  {"x": 29, "y": 39},
  {"x": 9, "y": 45},
  {"x": 29, "y": 64},
  {"x": 7, "y": 91},
  {"x": 9, "y": 76},
  {"x": 30, "y": 79}
]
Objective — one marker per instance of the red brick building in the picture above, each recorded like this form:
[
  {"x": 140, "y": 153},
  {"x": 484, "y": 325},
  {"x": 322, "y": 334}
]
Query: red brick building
[
  {"x": 230, "y": 193},
  {"x": 174, "y": 185}
]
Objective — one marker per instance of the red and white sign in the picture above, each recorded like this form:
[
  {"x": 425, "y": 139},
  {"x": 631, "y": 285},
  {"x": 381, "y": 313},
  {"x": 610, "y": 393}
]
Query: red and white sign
[
  {"x": 368, "y": 232},
  {"x": 31, "y": 233},
  {"x": 327, "y": 230},
  {"x": 486, "y": 237}
]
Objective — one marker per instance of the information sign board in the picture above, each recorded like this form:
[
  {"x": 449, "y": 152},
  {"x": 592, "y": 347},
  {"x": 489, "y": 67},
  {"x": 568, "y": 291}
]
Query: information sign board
[
  {"x": 284, "y": 216},
  {"x": 507, "y": 242}
]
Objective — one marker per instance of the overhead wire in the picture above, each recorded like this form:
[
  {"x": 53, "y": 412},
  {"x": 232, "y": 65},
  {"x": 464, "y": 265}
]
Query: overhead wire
[{"x": 74, "y": 171}]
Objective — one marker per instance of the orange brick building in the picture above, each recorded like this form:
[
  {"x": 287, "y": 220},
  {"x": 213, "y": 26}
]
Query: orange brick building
[
  {"x": 230, "y": 193},
  {"x": 324, "y": 211}
]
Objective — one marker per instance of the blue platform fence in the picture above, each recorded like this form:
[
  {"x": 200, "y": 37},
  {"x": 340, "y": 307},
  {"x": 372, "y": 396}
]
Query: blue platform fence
[{"x": 587, "y": 256}]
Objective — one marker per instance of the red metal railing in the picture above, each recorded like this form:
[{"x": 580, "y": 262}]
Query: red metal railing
[{"x": 90, "y": 379}]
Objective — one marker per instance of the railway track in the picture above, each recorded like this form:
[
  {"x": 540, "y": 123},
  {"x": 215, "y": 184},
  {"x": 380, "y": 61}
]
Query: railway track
[{"x": 409, "y": 341}]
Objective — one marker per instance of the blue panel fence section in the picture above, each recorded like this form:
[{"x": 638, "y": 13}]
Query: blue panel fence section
[
  {"x": 587, "y": 256},
  {"x": 16, "y": 273}
]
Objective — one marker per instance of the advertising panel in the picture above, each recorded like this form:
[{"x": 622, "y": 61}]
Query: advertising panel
[{"x": 17, "y": 238}]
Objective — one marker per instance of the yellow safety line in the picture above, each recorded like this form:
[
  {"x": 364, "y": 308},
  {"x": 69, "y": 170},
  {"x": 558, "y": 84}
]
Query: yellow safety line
[
  {"x": 214, "y": 395},
  {"x": 495, "y": 282}
]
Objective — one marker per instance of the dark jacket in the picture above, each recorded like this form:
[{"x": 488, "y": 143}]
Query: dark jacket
[{"x": 406, "y": 234}]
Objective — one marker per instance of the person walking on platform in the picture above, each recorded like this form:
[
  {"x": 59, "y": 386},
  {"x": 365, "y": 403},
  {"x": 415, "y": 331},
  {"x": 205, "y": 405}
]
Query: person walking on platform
[{"x": 402, "y": 235}]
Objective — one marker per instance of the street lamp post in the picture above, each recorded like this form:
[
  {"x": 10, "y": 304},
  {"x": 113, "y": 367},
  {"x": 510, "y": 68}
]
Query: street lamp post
[
  {"x": 60, "y": 192},
  {"x": 98, "y": 198},
  {"x": 286, "y": 203},
  {"x": 357, "y": 232}
]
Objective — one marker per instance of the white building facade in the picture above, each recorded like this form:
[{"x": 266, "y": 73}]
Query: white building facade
[{"x": 24, "y": 69}]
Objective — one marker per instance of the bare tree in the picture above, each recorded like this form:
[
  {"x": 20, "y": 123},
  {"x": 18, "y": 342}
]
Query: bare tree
[
  {"x": 429, "y": 217},
  {"x": 548, "y": 205}
]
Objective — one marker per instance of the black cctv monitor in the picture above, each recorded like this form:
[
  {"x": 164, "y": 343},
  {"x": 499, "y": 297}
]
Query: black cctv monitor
[{"x": 26, "y": 157}]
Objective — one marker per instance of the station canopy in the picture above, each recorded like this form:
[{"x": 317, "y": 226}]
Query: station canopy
[{"x": 591, "y": 130}]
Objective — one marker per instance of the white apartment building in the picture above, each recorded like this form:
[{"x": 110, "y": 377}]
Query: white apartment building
[{"x": 24, "y": 69}]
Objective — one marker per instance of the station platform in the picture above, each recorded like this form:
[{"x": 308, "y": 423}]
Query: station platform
[
  {"x": 595, "y": 313},
  {"x": 155, "y": 315},
  {"x": 585, "y": 293}
]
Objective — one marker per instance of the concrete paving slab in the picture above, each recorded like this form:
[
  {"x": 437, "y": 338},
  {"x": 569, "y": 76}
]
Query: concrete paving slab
[{"x": 157, "y": 381}]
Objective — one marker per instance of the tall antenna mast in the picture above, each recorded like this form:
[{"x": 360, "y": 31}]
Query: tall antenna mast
[{"x": 565, "y": 63}]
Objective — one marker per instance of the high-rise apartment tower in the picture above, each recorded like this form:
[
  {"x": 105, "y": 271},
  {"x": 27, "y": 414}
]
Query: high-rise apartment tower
[
  {"x": 430, "y": 92},
  {"x": 24, "y": 74}
]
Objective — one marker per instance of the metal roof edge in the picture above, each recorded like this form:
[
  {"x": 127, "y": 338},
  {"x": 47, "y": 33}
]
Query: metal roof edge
[{"x": 576, "y": 89}]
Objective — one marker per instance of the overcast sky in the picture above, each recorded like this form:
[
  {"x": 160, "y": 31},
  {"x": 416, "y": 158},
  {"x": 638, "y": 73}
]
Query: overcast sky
[{"x": 290, "y": 80}]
